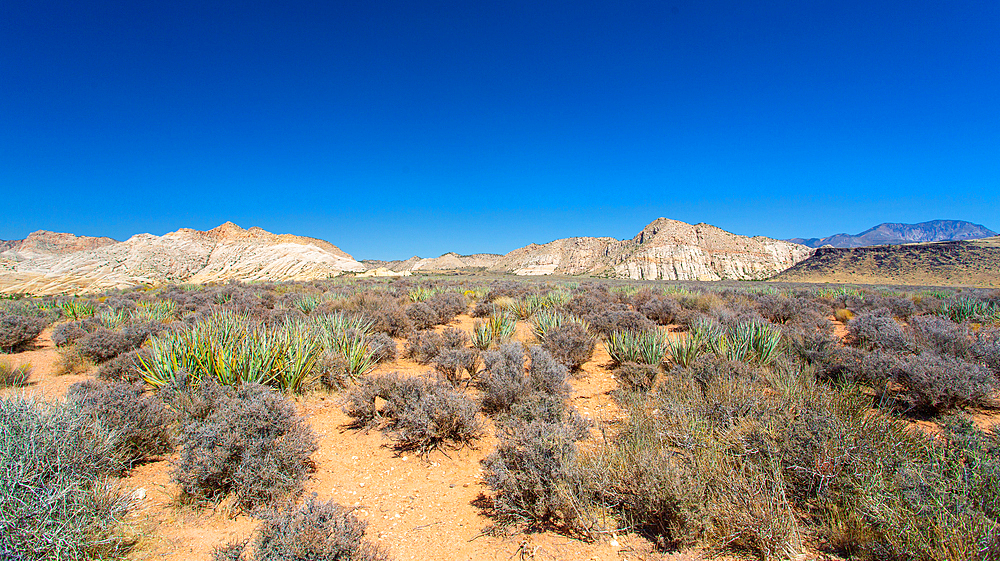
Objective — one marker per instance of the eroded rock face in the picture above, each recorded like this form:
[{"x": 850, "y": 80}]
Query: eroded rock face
[
  {"x": 665, "y": 249},
  {"x": 188, "y": 256}
]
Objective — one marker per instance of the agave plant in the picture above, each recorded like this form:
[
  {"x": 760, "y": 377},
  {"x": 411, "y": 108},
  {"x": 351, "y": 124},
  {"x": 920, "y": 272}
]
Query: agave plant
[
  {"x": 421, "y": 293},
  {"x": 337, "y": 329},
  {"x": 750, "y": 342}
]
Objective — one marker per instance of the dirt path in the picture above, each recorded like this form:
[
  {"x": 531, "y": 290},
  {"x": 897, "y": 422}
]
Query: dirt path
[{"x": 45, "y": 382}]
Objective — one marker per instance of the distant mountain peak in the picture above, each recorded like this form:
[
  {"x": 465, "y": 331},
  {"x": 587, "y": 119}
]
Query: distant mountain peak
[{"x": 893, "y": 233}]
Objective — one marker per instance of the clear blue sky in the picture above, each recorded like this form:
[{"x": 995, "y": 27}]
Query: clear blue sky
[{"x": 401, "y": 128}]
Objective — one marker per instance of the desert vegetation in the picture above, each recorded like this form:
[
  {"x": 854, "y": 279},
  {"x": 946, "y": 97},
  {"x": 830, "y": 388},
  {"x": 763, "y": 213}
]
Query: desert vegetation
[{"x": 759, "y": 420}]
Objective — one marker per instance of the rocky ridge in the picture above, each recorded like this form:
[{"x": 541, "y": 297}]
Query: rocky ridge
[
  {"x": 227, "y": 252},
  {"x": 665, "y": 249}
]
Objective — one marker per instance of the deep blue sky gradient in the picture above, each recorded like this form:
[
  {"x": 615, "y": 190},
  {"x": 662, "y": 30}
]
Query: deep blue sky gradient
[{"x": 400, "y": 128}]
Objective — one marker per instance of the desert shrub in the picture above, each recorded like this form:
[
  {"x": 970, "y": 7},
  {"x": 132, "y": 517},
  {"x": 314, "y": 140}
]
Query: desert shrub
[
  {"x": 383, "y": 348},
  {"x": 704, "y": 302},
  {"x": 421, "y": 315},
  {"x": 447, "y": 305},
  {"x": 507, "y": 289},
  {"x": 246, "y": 440},
  {"x": 452, "y": 362},
  {"x": 664, "y": 310},
  {"x": 72, "y": 361},
  {"x": 843, "y": 315},
  {"x": 636, "y": 377},
  {"x": 124, "y": 367},
  {"x": 16, "y": 331},
  {"x": 311, "y": 531},
  {"x": 894, "y": 305},
  {"x": 391, "y": 319},
  {"x": 54, "y": 502},
  {"x": 571, "y": 345},
  {"x": 483, "y": 309},
  {"x": 69, "y": 332},
  {"x": 871, "y": 330},
  {"x": 936, "y": 383},
  {"x": 424, "y": 346},
  {"x": 782, "y": 309},
  {"x": 986, "y": 349},
  {"x": 14, "y": 376},
  {"x": 533, "y": 473},
  {"x": 942, "y": 336},
  {"x": 753, "y": 463},
  {"x": 504, "y": 380},
  {"x": 104, "y": 344},
  {"x": 417, "y": 413},
  {"x": 620, "y": 320},
  {"x": 141, "y": 420},
  {"x": 332, "y": 370},
  {"x": 878, "y": 369}
]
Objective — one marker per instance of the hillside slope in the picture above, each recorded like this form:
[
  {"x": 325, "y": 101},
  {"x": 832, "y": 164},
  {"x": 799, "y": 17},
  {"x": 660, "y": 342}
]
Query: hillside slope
[{"x": 959, "y": 263}]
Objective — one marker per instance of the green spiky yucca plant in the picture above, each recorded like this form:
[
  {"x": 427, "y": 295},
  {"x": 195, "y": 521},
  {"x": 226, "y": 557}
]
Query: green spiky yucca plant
[
  {"x": 686, "y": 349},
  {"x": 422, "y": 293},
  {"x": 965, "y": 309},
  {"x": 750, "y": 342},
  {"x": 305, "y": 303},
  {"x": 497, "y": 329},
  {"x": 547, "y": 320},
  {"x": 155, "y": 310},
  {"x": 233, "y": 349},
  {"x": 648, "y": 347},
  {"x": 76, "y": 309},
  {"x": 113, "y": 319}
]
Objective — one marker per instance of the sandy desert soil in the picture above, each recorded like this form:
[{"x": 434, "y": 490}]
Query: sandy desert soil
[{"x": 417, "y": 508}]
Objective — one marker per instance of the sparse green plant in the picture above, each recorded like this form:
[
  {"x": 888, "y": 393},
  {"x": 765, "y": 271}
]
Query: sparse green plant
[
  {"x": 14, "y": 376},
  {"x": 113, "y": 318},
  {"x": 965, "y": 308}
]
